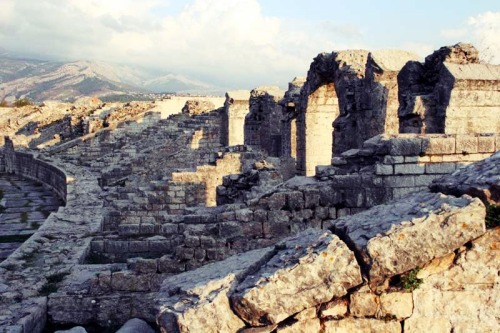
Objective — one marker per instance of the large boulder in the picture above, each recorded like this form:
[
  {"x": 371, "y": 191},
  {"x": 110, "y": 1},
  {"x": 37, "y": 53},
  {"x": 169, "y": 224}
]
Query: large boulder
[
  {"x": 197, "y": 301},
  {"x": 392, "y": 239},
  {"x": 309, "y": 269}
]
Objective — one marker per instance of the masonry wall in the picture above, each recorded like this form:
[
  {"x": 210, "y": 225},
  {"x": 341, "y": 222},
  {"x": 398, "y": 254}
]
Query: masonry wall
[
  {"x": 26, "y": 165},
  {"x": 386, "y": 168}
]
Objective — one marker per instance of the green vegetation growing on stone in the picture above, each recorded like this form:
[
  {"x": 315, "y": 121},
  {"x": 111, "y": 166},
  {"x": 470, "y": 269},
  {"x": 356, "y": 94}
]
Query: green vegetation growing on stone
[
  {"x": 492, "y": 216},
  {"x": 410, "y": 281},
  {"x": 22, "y": 102}
]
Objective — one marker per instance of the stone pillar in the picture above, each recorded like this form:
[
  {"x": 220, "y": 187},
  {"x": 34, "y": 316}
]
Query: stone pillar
[
  {"x": 236, "y": 107},
  {"x": 289, "y": 105},
  {"x": 314, "y": 129}
]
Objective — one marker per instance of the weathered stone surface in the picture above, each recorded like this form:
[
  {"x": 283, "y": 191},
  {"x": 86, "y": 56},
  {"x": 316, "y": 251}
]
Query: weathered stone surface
[
  {"x": 309, "y": 269},
  {"x": 397, "y": 237},
  {"x": 450, "y": 93},
  {"x": 308, "y": 325},
  {"x": 335, "y": 309},
  {"x": 364, "y": 303},
  {"x": 136, "y": 325},
  {"x": 454, "y": 311},
  {"x": 361, "y": 325},
  {"x": 197, "y": 301},
  {"x": 481, "y": 179},
  {"x": 396, "y": 305}
]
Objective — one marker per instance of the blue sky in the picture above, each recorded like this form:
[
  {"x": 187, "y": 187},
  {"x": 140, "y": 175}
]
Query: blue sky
[{"x": 240, "y": 43}]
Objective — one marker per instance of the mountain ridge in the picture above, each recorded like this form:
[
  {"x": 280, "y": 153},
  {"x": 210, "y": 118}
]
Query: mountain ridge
[{"x": 41, "y": 80}]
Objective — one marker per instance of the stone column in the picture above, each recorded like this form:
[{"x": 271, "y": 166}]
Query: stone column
[{"x": 236, "y": 107}]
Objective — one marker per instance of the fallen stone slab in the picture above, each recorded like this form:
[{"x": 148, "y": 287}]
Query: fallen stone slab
[
  {"x": 197, "y": 301},
  {"x": 309, "y": 269},
  {"x": 394, "y": 238},
  {"x": 481, "y": 179}
]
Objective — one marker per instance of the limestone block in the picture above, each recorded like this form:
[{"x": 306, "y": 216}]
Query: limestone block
[
  {"x": 360, "y": 325},
  {"x": 474, "y": 269},
  {"x": 295, "y": 200},
  {"x": 116, "y": 246},
  {"x": 170, "y": 228},
  {"x": 197, "y": 301},
  {"x": 136, "y": 325},
  {"x": 364, "y": 304},
  {"x": 309, "y": 269},
  {"x": 399, "y": 181},
  {"x": 308, "y": 325},
  {"x": 440, "y": 168},
  {"x": 405, "y": 146},
  {"x": 128, "y": 281},
  {"x": 409, "y": 169},
  {"x": 192, "y": 241},
  {"x": 396, "y": 305},
  {"x": 244, "y": 215},
  {"x": 439, "y": 145},
  {"x": 311, "y": 198},
  {"x": 394, "y": 238},
  {"x": 389, "y": 159},
  {"x": 140, "y": 265},
  {"x": 454, "y": 311},
  {"x": 485, "y": 144},
  {"x": 466, "y": 144},
  {"x": 335, "y": 309},
  {"x": 383, "y": 169}
]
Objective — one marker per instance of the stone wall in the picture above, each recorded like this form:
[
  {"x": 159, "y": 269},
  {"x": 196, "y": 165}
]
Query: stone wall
[
  {"x": 414, "y": 266},
  {"x": 263, "y": 122},
  {"x": 386, "y": 168},
  {"x": 451, "y": 92},
  {"x": 356, "y": 91},
  {"x": 39, "y": 264},
  {"x": 26, "y": 165},
  {"x": 211, "y": 175}
]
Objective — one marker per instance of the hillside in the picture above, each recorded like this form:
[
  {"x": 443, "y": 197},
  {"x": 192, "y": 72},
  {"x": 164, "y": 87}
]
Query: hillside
[{"x": 45, "y": 80}]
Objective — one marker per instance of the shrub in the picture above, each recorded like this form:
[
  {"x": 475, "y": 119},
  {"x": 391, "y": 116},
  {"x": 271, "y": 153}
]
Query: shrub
[
  {"x": 492, "y": 216},
  {"x": 410, "y": 281},
  {"x": 22, "y": 102}
]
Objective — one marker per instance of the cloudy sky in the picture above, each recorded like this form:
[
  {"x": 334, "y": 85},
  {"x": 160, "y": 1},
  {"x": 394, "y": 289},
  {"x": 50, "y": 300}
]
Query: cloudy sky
[{"x": 240, "y": 43}]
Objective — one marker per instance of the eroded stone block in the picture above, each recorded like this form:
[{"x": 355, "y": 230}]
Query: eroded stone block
[
  {"x": 394, "y": 238},
  {"x": 309, "y": 269}
]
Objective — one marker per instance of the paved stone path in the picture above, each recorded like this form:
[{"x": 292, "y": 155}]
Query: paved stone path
[{"x": 24, "y": 206}]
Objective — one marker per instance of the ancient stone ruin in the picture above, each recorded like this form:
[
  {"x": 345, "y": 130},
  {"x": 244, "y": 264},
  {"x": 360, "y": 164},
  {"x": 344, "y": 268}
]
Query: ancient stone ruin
[{"x": 364, "y": 198}]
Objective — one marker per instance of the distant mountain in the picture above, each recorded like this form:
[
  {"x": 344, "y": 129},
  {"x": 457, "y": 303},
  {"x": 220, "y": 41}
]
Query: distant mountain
[{"x": 41, "y": 80}]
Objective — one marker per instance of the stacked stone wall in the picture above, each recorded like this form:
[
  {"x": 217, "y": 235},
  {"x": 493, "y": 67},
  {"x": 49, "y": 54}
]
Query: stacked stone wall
[{"x": 26, "y": 165}]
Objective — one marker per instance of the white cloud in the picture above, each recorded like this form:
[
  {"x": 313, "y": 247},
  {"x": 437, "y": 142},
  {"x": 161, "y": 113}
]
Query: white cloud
[
  {"x": 231, "y": 42},
  {"x": 486, "y": 35}
]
